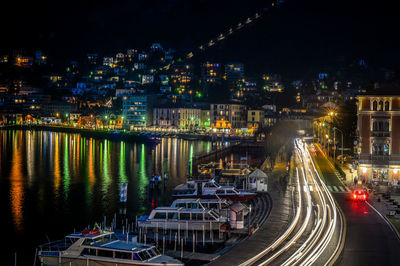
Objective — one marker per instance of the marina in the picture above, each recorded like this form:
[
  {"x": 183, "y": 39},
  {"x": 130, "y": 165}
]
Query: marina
[{"x": 83, "y": 175}]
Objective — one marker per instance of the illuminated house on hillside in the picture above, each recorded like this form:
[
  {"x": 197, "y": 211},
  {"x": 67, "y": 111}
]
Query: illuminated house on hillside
[
  {"x": 181, "y": 77},
  {"x": 234, "y": 72},
  {"x": 273, "y": 83},
  {"x": 379, "y": 137},
  {"x": 210, "y": 73}
]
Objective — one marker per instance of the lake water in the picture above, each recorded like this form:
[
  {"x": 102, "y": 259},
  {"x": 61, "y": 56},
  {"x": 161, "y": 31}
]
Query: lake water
[{"x": 52, "y": 183}]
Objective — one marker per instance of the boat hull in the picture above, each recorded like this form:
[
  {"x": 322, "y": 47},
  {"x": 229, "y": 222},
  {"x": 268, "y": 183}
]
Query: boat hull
[
  {"x": 183, "y": 225},
  {"x": 94, "y": 261},
  {"x": 213, "y": 196}
]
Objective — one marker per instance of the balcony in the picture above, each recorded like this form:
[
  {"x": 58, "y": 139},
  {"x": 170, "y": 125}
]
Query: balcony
[
  {"x": 380, "y": 159},
  {"x": 384, "y": 134}
]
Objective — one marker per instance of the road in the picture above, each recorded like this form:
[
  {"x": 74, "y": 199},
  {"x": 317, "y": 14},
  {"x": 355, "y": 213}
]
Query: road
[
  {"x": 315, "y": 234},
  {"x": 369, "y": 239}
]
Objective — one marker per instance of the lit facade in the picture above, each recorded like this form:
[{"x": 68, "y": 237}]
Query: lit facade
[
  {"x": 234, "y": 72},
  {"x": 246, "y": 89},
  {"x": 137, "y": 111},
  {"x": 182, "y": 118},
  {"x": 378, "y": 130},
  {"x": 181, "y": 77},
  {"x": 255, "y": 118},
  {"x": 210, "y": 73},
  {"x": 205, "y": 119},
  {"x": 235, "y": 114}
]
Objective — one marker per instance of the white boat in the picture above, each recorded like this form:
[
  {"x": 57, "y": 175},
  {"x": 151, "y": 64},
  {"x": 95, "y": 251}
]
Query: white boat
[
  {"x": 212, "y": 204},
  {"x": 98, "y": 247},
  {"x": 220, "y": 206},
  {"x": 209, "y": 189},
  {"x": 177, "y": 218}
]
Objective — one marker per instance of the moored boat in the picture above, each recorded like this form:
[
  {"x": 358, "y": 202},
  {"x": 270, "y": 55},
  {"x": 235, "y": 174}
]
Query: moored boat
[
  {"x": 177, "y": 218},
  {"x": 209, "y": 189},
  {"x": 98, "y": 247},
  {"x": 213, "y": 204}
]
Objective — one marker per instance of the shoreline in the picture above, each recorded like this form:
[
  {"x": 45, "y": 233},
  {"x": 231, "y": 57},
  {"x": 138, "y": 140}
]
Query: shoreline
[{"x": 118, "y": 135}]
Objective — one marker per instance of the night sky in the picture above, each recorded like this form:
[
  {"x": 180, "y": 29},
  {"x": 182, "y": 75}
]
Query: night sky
[{"x": 295, "y": 36}]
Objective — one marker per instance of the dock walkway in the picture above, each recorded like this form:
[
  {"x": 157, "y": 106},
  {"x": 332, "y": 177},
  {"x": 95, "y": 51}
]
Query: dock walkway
[{"x": 274, "y": 226}]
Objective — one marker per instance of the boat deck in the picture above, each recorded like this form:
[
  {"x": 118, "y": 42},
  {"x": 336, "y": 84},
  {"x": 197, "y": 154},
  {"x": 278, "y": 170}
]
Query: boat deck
[
  {"x": 187, "y": 255},
  {"x": 123, "y": 245}
]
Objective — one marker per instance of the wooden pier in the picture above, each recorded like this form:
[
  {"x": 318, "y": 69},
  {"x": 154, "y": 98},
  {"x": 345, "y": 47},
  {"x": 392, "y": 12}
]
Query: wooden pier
[{"x": 254, "y": 148}]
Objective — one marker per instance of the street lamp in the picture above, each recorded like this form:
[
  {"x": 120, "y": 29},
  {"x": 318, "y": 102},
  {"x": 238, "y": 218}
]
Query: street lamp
[{"x": 335, "y": 128}]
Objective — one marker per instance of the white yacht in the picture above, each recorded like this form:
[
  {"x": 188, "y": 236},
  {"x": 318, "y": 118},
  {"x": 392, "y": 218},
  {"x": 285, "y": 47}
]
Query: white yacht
[
  {"x": 212, "y": 204},
  {"x": 178, "y": 218},
  {"x": 98, "y": 247},
  {"x": 209, "y": 189}
]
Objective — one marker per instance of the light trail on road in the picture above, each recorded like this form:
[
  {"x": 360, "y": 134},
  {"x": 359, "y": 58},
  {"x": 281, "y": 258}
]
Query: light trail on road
[
  {"x": 300, "y": 232},
  {"x": 285, "y": 235},
  {"x": 314, "y": 233},
  {"x": 330, "y": 208}
]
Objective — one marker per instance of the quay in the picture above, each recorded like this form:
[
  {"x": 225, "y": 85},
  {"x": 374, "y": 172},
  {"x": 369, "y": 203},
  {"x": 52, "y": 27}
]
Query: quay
[{"x": 126, "y": 135}]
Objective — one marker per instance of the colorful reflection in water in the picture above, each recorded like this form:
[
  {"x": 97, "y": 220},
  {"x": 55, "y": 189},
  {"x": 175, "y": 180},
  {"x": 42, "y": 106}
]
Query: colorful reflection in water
[
  {"x": 16, "y": 182},
  {"x": 51, "y": 183}
]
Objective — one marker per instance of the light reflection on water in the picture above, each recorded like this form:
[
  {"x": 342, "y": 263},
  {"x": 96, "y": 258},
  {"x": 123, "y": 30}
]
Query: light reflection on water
[
  {"x": 17, "y": 186},
  {"x": 51, "y": 183}
]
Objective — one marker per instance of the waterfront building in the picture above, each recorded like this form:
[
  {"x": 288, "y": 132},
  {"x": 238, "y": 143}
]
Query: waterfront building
[
  {"x": 255, "y": 118},
  {"x": 137, "y": 110},
  {"x": 205, "y": 118},
  {"x": 378, "y": 130},
  {"x": 176, "y": 117},
  {"x": 233, "y": 113}
]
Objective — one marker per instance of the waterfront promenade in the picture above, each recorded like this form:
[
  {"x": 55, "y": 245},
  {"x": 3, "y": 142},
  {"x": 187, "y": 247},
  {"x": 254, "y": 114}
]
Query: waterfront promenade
[
  {"x": 134, "y": 135},
  {"x": 275, "y": 225}
]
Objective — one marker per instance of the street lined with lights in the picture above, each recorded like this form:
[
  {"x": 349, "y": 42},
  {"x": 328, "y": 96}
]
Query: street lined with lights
[{"x": 314, "y": 235}]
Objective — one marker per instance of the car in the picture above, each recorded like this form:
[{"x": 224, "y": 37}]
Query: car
[{"x": 359, "y": 195}]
